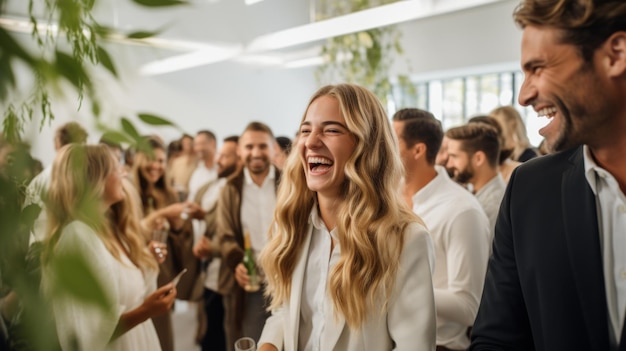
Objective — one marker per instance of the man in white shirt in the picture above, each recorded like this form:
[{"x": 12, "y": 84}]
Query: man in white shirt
[
  {"x": 473, "y": 151},
  {"x": 204, "y": 145},
  {"x": 70, "y": 132},
  {"x": 247, "y": 202},
  {"x": 457, "y": 223},
  {"x": 227, "y": 164}
]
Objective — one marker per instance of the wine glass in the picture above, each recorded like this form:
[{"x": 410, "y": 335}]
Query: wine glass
[
  {"x": 160, "y": 236},
  {"x": 245, "y": 344}
]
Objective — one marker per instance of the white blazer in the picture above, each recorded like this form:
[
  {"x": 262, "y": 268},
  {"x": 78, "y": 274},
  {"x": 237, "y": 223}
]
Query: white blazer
[{"x": 408, "y": 324}]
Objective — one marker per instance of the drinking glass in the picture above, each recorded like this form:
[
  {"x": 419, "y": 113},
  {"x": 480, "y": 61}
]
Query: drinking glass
[
  {"x": 245, "y": 344},
  {"x": 159, "y": 235}
]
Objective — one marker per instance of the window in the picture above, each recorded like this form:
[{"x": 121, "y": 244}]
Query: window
[{"x": 456, "y": 99}]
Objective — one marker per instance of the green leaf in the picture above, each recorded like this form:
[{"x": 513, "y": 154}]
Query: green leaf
[
  {"x": 130, "y": 129},
  {"x": 116, "y": 137},
  {"x": 71, "y": 69},
  {"x": 142, "y": 34},
  {"x": 105, "y": 60},
  {"x": 75, "y": 278},
  {"x": 155, "y": 120},
  {"x": 159, "y": 3}
]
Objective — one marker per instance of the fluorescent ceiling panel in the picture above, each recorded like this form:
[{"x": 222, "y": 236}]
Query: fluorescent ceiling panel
[{"x": 380, "y": 16}]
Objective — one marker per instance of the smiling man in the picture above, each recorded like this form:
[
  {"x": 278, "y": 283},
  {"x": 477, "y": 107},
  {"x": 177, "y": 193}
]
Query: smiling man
[
  {"x": 557, "y": 277},
  {"x": 473, "y": 152},
  {"x": 246, "y": 202}
]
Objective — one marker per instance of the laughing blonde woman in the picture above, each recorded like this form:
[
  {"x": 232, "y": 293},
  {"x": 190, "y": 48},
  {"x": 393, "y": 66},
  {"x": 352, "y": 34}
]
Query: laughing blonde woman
[{"x": 348, "y": 264}]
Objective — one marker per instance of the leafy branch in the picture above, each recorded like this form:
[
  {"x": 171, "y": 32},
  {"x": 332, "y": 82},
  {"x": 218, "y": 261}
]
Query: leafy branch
[{"x": 363, "y": 58}]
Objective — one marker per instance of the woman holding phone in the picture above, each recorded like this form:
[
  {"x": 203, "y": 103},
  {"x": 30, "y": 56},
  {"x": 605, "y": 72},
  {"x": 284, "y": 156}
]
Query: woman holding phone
[{"x": 88, "y": 217}]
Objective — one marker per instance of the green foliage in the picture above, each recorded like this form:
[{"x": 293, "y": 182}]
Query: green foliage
[
  {"x": 76, "y": 279},
  {"x": 30, "y": 326},
  {"x": 363, "y": 58}
]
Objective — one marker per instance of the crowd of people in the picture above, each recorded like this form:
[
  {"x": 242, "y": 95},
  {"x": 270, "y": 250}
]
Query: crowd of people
[{"x": 364, "y": 231}]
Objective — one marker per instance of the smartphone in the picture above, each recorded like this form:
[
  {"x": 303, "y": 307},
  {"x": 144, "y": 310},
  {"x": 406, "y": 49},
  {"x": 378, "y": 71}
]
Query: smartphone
[{"x": 177, "y": 277}]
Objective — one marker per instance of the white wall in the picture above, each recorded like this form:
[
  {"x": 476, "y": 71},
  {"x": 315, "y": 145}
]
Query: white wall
[{"x": 475, "y": 37}]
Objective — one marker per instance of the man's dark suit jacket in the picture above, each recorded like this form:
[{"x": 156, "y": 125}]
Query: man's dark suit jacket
[{"x": 544, "y": 288}]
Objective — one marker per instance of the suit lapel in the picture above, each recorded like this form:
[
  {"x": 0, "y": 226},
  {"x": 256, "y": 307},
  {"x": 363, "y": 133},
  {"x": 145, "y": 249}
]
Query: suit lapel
[
  {"x": 291, "y": 341},
  {"x": 583, "y": 242}
]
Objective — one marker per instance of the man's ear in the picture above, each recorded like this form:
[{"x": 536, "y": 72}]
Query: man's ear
[
  {"x": 419, "y": 150},
  {"x": 614, "y": 51},
  {"x": 479, "y": 158}
]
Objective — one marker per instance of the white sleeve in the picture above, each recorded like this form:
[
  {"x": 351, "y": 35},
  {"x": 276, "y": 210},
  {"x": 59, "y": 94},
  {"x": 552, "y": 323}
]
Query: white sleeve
[
  {"x": 273, "y": 331},
  {"x": 411, "y": 314},
  {"x": 467, "y": 253},
  {"x": 80, "y": 324}
]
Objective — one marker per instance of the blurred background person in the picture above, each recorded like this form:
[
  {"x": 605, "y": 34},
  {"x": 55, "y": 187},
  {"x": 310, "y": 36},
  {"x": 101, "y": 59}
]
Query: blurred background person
[
  {"x": 162, "y": 211},
  {"x": 505, "y": 164},
  {"x": 207, "y": 248},
  {"x": 182, "y": 167},
  {"x": 442, "y": 157},
  {"x": 282, "y": 147},
  {"x": 68, "y": 133},
  {"x": 88, "y": 217},
  {"x": 205, "y": 147},
  {"x": 473, "y": 156},
  {"x": 514, "y": 132}
]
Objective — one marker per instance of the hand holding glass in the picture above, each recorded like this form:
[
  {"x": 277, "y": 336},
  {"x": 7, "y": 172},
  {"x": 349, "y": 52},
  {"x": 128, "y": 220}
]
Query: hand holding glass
[{"x": 245, "y": 344}]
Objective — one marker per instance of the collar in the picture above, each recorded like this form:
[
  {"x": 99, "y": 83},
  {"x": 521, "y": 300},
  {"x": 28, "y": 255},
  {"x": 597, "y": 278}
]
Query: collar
[
  {"x": 592, "y": 169},
  {"x": 270, "y": 176},
  {"x": 318, "y": 223},
  {"x": 497, "y": 180},
  {"x": 432, "y": 187}
]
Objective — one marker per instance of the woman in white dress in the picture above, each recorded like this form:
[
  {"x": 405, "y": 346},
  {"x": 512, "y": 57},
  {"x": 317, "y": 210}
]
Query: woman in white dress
[
  {"x": 88, "y": 217},
  {"x": 348, "y": 263}
]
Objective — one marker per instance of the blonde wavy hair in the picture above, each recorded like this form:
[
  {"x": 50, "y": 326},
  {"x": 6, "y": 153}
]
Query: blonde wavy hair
[
  {"x": 513, "y": 130},
  {"x": 76, "y": 191},
  {"x": 371, "y": 219},
  {"x": 124, "y": 218}
]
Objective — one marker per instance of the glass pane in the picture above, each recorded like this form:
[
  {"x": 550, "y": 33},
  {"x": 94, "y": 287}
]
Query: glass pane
[
  {"x": 453, "y": 100},
  {"x": 506, "y": 89},
  {"x": 422, "y": 96},
  {"x": 489, "y": 92},
  {"x": 472, "y": 94},
  {"x": 435, "y": 98}
]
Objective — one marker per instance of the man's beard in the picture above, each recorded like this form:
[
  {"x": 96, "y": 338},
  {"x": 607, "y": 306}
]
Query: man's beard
[
  {"x": 227, "y": 171},
  {"x": 464, "y": 176}
]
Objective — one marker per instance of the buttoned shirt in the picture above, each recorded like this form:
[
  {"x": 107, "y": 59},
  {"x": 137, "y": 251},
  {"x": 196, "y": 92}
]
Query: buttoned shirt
[
  {"x": 257, "y": 208},
  {"x": 460, "y": 233},
  {"x": 315, "y": 298},
  {"x": 200, "y": 176},
  {"x": 611, "y": 208}
]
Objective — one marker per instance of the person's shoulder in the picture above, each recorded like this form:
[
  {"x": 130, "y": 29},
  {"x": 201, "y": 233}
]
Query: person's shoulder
[
  {"x": 416, "y": 233},
  {"x": 78, "y": 235},
  {"x": 236, "y": 179},
  {"x": 528, "y": 154},
  {"x": 460, "y": 197},
  {"x": 549, "y": 164}
]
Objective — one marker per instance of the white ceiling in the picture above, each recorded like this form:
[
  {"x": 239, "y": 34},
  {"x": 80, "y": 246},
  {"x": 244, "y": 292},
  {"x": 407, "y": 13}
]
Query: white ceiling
[{"x": 268, "y": 32}]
